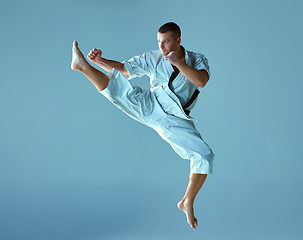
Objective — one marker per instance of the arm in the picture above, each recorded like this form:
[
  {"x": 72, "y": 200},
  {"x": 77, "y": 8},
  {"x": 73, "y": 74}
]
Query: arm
[
  {"x": 108, "y": 65},
  {"x": 197, "y": 77},
  {"x": 95, "y": 56}
]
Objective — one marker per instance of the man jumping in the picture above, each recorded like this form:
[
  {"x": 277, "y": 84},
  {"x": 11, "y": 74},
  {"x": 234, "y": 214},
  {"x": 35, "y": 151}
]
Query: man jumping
[{"x": 176, "y": 75}]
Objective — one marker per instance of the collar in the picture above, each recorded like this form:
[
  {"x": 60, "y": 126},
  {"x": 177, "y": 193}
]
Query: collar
[{"x": 187, "y": 59}]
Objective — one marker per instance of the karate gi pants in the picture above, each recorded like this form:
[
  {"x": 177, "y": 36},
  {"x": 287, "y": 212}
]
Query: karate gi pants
[{"x": 144, "y": 106}]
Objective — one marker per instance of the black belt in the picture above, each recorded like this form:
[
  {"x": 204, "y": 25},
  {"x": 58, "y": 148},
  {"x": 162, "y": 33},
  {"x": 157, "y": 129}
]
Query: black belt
[{"x": 191, "y": 100}]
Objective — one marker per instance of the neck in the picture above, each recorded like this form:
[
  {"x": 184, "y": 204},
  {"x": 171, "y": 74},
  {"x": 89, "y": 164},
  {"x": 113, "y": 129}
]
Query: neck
[{"x": 180, "y": 51}]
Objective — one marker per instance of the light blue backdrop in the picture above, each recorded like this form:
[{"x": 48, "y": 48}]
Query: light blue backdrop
[{"x": 75, "y": 167}]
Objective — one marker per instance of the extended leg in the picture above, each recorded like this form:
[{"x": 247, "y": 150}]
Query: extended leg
[
  {"x": 187, "y": 203},
  {"x": 99, "y": 79}
]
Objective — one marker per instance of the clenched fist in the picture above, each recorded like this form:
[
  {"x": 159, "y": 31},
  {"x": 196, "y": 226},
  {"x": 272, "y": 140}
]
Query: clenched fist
[
  {"x": 174, "y": 59},
  {"x": 95, "y": 55}
]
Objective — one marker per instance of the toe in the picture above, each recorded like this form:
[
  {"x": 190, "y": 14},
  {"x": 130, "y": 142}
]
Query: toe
[{"x": 75, "y": 43}]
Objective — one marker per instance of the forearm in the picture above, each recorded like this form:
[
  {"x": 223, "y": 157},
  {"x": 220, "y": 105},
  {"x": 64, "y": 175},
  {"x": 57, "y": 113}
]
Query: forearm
[
  {"x": 195, "y": 76},
  {"x": 108, "y": 65}
]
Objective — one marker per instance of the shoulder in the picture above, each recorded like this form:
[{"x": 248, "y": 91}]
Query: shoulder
[
  {"x": 152, "y": 57},
  {"x": 199, "y": 61},
  {"x": 153, "y": 54},
  {"x": 147, "y": 57},
  {"x": 196, "y": 56}
]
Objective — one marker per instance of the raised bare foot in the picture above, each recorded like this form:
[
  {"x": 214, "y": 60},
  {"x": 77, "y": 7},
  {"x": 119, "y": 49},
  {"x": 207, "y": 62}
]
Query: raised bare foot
[
  {"x": 188, "y": 209},
  {"x": 78, "y": 60}
]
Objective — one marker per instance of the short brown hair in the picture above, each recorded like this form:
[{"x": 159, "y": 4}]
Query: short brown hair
[{"x": 171, "y": 26}]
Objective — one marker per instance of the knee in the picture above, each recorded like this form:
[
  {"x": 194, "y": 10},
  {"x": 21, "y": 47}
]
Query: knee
[{"x": 201, "y": 166}]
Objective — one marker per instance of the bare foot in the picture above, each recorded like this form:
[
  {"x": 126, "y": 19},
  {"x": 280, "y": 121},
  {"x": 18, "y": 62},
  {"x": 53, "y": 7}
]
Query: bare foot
[
  {"x": 78, "y": 60},
  {"x": 188, "y": 209}
]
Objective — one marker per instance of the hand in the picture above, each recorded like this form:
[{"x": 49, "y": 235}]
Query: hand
[
  {"x": 174, "y": 59},
  {"x": 95, "y": 55}
]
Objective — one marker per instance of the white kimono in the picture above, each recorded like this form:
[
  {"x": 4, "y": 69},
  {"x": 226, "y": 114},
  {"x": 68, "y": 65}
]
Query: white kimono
[{"x": 161, "y": 106}]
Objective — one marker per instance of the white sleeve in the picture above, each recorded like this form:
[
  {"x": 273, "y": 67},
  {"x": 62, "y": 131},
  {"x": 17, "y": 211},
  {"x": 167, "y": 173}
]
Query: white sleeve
[
  {"x": 201, "y": 63},
  {"x": 137, "y": 66}
]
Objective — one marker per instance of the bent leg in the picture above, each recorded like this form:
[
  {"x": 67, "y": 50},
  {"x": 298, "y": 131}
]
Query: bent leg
[
  {"x": 98, "y": 78},
  {"x": 188, "y": 144}
]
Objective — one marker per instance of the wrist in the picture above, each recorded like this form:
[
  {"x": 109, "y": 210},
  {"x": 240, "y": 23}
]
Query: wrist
[
  {"x": 101, "y": 61},
  {"x": 181, "y": 65}
]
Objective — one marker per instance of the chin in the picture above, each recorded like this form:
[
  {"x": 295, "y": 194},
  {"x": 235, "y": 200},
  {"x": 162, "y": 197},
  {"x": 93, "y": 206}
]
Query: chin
[{"x": 164, "y": 53}]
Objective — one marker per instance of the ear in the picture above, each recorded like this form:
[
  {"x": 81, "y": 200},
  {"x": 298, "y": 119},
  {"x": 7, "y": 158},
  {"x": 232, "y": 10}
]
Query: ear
[{"x": 179, "y": 40}]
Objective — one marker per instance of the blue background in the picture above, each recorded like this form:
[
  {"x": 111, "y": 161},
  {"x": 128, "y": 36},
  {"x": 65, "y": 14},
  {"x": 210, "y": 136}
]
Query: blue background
[{"x": 73, "y": 166}]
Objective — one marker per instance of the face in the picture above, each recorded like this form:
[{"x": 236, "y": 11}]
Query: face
[{"x": 167, "y": 43}]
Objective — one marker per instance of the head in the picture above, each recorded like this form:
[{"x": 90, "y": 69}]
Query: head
[{"x": 169, "y": 38}]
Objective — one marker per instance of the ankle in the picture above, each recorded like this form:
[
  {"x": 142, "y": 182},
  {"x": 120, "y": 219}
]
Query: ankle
[
  {"x": 188, "y": 201},
  {"x": 85, "y": 68}
]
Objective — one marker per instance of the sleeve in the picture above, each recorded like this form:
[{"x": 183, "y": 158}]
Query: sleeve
[
  {"x": 137, "y": 66},
  {"x": 202, "y": 63}
]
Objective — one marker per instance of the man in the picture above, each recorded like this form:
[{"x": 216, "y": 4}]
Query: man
[{"x": 176, "y": 76}]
